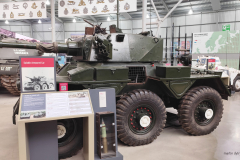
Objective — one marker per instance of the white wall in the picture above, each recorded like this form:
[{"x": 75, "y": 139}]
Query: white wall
[{"x": 206, "y": 22}]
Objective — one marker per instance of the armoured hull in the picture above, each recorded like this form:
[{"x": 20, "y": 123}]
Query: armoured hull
[{"x": 125, "y": 77}]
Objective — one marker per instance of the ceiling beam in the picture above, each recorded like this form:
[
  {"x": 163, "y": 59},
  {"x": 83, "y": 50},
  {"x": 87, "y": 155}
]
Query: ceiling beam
[
  {"x": 216, "y": 5},
  {"x": 59, "y": 20},
  {"x": 26, "y": 20},
  {"x": 126, "y": 15},
  {"x": 94, "y": 19},
  {"x": 165, "y": 5}
]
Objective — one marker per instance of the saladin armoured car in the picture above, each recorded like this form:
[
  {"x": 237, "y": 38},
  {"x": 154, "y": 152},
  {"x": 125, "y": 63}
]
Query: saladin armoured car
[{"x": 145, "y": 87}]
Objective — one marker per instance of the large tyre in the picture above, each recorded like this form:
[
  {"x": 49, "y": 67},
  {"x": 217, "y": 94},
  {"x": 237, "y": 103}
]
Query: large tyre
[
  {"x": 70, "y": 137},
  {"x": 200, "y": 110},
  {"x": 236, "y": 84},
  {"x": 141, "y": 116}
]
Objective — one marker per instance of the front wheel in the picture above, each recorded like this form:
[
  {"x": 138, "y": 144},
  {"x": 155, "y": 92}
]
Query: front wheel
[
  {"x": 141, "y": 116},
  {"x": 200, "y": 110},
  {"x": 70, "y": 137}
]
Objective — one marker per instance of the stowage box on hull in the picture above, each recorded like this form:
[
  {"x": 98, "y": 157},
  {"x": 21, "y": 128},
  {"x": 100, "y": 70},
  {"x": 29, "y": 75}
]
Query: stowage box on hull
[
  {"x": 111, "y": 73},
  {"x": 173, "y": 71}
]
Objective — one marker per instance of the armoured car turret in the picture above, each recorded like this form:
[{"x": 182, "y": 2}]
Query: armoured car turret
[{"x": 133, "y": 65}]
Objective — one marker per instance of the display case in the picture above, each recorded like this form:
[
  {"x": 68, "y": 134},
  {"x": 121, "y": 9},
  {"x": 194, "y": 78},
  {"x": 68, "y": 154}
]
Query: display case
[{"x": 106, "y": 145}]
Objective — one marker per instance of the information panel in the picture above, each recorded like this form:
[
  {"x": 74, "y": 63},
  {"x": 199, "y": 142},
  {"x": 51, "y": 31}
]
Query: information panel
[
  {"x": 23, "y": 10},
  {"x": 38, "y": 74},
  {"x": 70, "y": 8},
  {"x": 55, "y": 104}
]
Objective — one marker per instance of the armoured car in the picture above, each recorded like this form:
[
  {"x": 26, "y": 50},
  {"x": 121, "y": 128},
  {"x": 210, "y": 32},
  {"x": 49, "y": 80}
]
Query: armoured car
[
  {"x": 38, "y": 83},
  {"x": 232, "y": 73},
  {"x": 25, "y": 115},
  {"x": 39, "y": 115},
  {"x": 133, "y": 64}
]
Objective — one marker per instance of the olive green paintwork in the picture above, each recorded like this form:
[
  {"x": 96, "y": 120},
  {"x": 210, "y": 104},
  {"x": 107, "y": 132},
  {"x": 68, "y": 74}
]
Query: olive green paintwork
[
  {"x": 173, "y": 87},
  {"x": 103, "y": 61},
  {"x": 81, "y": 74},
  {"x": 173, "y": 71},
  {"x": 9, "y": 69},
  {"x": 104, "y": 73}
]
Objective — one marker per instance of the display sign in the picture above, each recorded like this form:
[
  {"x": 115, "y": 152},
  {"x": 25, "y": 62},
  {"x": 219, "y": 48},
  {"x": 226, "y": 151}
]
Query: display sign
[
  {"x": 38, "y": 74},
  {"x": 55, "y": 104},
  {"x": 210, "y": 42},
  {"x": 102, "y": 99},
  {"x": 226, "y": 27},
  {"x": 23, "y": 10},
  {"x": 63, "y": 86},
  {"x": 211, "y": 63},
  {"x": 71, "y": 8}
]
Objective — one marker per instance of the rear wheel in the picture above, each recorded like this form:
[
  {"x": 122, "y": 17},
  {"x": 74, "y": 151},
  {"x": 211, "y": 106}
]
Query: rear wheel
[
  {"x": 70, "y": 137},
  {"x": 51, "y": 86},
  {"x": 141, "y": 116},
  {"x": 200, "y": 110},
  {"x": 236, "y": 84}
]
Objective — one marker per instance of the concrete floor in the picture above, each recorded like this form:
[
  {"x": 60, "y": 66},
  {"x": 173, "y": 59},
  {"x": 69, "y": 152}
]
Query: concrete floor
[{"x": 173, "y": 143}]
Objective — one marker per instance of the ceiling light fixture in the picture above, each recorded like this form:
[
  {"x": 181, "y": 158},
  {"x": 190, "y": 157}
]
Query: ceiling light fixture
[
  {"x": 47, "y": 2},
  {"x": 74, "y": 21},
  {"x": 6, "y": 22},
  {"x": 39, "y": 21},
  {"x": 147, "y": 16},
  {"x": 108, "y": 19},
  {"x": 190, "y": 11}
]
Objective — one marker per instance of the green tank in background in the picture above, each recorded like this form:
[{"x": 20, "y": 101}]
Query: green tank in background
[
  {"x": 9, "y": 63},
  {"x": 133, "y": 64}
]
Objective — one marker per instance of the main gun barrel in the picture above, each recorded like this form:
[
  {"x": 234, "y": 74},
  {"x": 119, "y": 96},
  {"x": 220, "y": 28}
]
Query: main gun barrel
[
  {"x": 45, "y": 48},
  {"x": 17, "y": 45}
]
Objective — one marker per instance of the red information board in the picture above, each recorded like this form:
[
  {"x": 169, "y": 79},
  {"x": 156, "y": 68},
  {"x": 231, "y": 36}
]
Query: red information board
[
  {"x": 63, "y": 86},
  {"x": 38, "y": 74}
]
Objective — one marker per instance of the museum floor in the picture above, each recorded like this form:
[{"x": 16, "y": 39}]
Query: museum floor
[{"x": 172, "y": 144}]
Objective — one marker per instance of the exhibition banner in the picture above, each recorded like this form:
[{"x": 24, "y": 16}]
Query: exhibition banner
[
  {"x": 216, "y": 42},
  {"x": 16, "y": 35},
  {"x": 71, "y": 8},
  {"x": 38, "y": 74},
  {"x": 223, "y": 44},
  {"x": 23, "y": 10}
]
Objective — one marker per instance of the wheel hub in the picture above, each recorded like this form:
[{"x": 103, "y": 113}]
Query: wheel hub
[
  {"x": 142, "y": 119},
  {"x": 45, "y": 87},
  {"x": 209, "y": 113},
  {"x": 204, "y": 112},
  {"x": 61, "y": 131},
  {"x": 37, "y": 87},
  {"x": 145, "y": 121}
]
